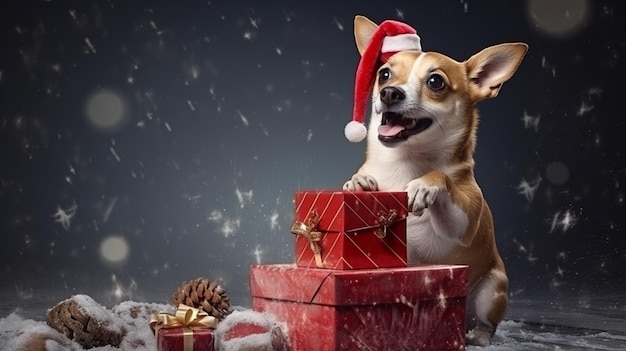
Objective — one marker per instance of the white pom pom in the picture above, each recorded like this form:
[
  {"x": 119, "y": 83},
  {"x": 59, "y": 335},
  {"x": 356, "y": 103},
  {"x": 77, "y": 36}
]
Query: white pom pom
[{"x": 355, "y": 131}]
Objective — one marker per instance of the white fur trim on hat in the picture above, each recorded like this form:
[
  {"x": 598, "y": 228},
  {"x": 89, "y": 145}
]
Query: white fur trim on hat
[
  {"x": 355, "y": 131},
  {"x": 401, "y": 42}
]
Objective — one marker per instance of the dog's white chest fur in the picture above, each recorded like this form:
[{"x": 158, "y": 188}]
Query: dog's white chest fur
[{"x": 423, "y": 243}]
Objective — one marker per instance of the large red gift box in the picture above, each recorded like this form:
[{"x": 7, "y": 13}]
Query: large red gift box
[
  {"x": 352, "y": 230},
  {"x": 408, "y": 308},
  {"x": 184, "y": 339}
]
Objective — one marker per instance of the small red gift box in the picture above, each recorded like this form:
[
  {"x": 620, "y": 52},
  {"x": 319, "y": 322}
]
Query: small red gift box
[
  {"x": 409, "y": 308},
  {"x": 350, "y": 230},
  {"x": 187, "y": 329},
  {"x": 185, "y": 339}
]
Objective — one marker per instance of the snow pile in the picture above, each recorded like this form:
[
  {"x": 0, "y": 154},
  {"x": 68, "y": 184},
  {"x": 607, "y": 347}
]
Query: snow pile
[
  {"x": 98, "y": 312},
  {"x": 19, "y": 334},
  {"x": 243, "y": 328},
  {"x": 250, "y": 330}
]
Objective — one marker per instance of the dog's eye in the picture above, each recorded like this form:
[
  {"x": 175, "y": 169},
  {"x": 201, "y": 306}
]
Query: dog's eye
[
  {"x": 384, "y": 75},
  {"x": 435, "y": 82}
]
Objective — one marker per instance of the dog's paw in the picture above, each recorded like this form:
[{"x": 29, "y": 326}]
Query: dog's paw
[
  {"x": 361, "y": 182},
  {"x": 478, "y": 337},
  {"x": 421, "y": 195}
]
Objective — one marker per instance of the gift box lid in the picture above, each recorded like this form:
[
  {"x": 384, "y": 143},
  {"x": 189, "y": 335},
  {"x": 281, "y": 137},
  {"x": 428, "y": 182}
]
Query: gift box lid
[
  {"x": 343, "y": 211},
  {"x": 358, "y": 287}
]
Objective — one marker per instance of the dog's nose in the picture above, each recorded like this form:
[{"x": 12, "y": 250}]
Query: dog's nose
[{"x": 391, "y": 95}]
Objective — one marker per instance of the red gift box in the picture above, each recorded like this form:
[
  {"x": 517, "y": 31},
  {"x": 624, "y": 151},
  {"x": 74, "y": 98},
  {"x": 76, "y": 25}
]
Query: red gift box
[
  {"x": 185, "y": 339},
  {"x": 408, "y": 308},
  {"x": 350, "y": 230}
]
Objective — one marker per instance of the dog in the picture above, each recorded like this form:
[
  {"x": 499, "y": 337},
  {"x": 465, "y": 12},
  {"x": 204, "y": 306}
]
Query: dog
[{"x": 421, "y": 139}]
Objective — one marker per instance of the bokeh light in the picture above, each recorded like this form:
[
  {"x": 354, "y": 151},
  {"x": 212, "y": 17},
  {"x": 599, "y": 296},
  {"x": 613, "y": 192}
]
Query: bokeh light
[
  {"x": 114, "y": 250},
  {"x": 559, "y": 18},
  {"x": 557, "y": 173},
  {"x": 106, "y": 110}
]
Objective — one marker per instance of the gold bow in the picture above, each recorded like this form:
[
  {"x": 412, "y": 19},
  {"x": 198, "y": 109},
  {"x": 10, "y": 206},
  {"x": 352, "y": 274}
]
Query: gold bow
[
  {"x": 186, "y": 317},
  {"x": 385, "y": 220},
  {"x": 308, "y": 229}
]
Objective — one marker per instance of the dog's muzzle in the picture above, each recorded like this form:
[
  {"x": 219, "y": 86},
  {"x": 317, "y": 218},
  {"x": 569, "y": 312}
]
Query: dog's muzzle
[{"x": 394, "y": 127}]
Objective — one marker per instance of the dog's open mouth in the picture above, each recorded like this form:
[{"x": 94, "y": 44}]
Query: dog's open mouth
[{"x": 394, "y": 127}]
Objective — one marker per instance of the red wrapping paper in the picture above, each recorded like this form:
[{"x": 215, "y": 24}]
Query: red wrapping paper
[
  {"x": 173, "y": 339},
  {"x": 410, "y": 308},
  {"x": 348, "y": 222}
]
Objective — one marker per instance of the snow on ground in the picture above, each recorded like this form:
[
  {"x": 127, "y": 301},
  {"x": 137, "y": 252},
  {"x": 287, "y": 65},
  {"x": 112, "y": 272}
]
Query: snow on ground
[
  {"x": 519, "y": 336},
  {"x": 21, "y": 334},
  {"x": 18, "y": 334}
]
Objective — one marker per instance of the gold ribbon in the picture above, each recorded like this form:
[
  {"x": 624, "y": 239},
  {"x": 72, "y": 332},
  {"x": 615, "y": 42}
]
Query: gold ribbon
[
  {"x": 308, "y": 229},
  {"x": 185, "y": 317},
  {"x": 384, "y": 221}
]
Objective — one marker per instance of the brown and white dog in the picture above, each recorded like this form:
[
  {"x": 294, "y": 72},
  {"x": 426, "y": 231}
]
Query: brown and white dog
[{"x": 421, "y": 139}]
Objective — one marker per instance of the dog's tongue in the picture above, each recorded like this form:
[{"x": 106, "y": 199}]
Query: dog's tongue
[{"x": 390, "y": 130}]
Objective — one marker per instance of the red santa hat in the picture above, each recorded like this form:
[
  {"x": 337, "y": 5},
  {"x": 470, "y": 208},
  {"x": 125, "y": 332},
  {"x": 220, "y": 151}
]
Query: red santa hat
[{"x": 389, "y": 38}]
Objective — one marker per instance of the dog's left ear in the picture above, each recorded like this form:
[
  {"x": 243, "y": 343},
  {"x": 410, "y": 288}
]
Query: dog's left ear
[
  {"x": 493, "y": 66},
  {"x": 364, "y": 30}
]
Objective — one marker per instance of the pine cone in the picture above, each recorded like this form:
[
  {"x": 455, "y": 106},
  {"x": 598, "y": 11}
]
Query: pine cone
[{"x": 203, "y": 294}]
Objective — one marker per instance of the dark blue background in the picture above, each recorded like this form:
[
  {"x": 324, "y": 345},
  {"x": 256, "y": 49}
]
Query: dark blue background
[{"x": 188, "y": 72}]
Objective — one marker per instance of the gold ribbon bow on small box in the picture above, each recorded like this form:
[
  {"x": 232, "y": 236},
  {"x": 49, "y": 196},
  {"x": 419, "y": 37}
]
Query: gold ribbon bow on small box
[
  {"x": 308, "y": 229},
  {"x": 185, "y": 317},
  {"x": 384, "y": 221}
]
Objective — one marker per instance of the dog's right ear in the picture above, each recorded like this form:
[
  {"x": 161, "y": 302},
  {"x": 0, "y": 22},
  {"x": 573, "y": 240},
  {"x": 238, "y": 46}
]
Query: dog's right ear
[
  {"x": 363, "y": 31},
  {"x": 493, "y": 66}
]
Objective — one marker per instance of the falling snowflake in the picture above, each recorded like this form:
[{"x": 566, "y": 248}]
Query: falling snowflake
[
  {"x": 248, "y": 35},
  {"x": 560, "y": 271},
  {"x": 443, "y": 301},
  {"x": 465, "y": 6},
  {"x": 583, "y": 109},
  {"x": 528, "y": 189},
  {"x": 254, "y": 22},
  {"x": 228, "y": 226},
  {"x": 109, "y": 209},
  {"x": 243, "y": 118},
  {"x": 563, "y": 221},
  {"x": 337, "y": 23},
  {"x": 594, "y": 92},
  {"x": 215, "y": 216},
  {"x": 530, "y": 121},
  {"x": 287, "y": 16},
  {"x": 114, "y": 153},
  {"x": 244, "y": 197},
  {"x": 274, "y": 225},
  {"x": 545, "y": 65},
  {"x": 194, "y": 71},
  {"x": 119, "y": 291},
  {"x": 65, "y": 216},
  {"x": 521, "y": 248},
  {"x": 399, "y": 13},
  {"x": 258, "y": 254},
  {"x": 90, "y": 45}
]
